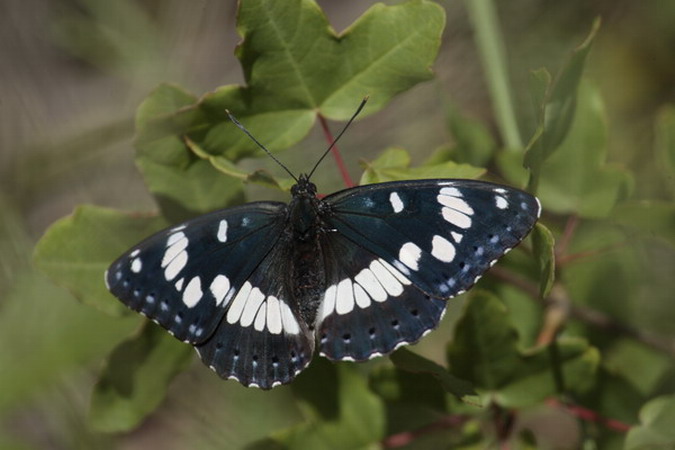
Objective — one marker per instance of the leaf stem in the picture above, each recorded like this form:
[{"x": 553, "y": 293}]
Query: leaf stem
[
  {"x": 336, "y": 152},
  {"x": 490, "y": 43}
]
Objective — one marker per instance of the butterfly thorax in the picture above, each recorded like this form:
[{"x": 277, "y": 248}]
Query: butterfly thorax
[{"x": 304, "y": 228}]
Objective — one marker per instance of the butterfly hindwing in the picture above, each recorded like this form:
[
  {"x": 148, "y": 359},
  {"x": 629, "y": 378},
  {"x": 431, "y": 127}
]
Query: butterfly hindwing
[
  {"x": 369, "y": 308},
  {"x": 441, "y": 234},
  {"x": 183, "y": 277},
  {"x": 261, "y": 340}
]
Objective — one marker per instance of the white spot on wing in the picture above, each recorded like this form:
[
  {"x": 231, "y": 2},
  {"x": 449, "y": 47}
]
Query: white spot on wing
[
  {"x": 273, "y": 315},
  {"x": 455, "y": 203},
  {"x": 386, "y": 279},
  {"x": 328, "y": 302},
  {"x": 288, "y": 320},
  {"x": 456, "y": 218},
  {"x": 361, "y": 297},
  {"x": 175, "y": 266},
  {"x": 222, "y": 231},
  {"x": 176, "y": 244},
  {"x": 179, "y": 284},
  {"x": 261, "y": 318},
  {"x": 219, "y": 288},
  {"x": 368, "y": 281},
  {"x": 134, "y": 253},
  {"x": 255, "y": 298},
  {"x": 442, "y": 249},
  {"x": 396, "y": 202},
  {"x": 344, "y": 298},
  {"x": 410, "y": 255},
  {"x": 193, "y": 292},
  {"x": 501, "y": 202},
  {"x": 399, "y": 276},
  {"x": 237, "y": 306},
  {"x": 457, "y": 236},
  {"x": 454, "y": 192},
  {"x": 136, "y": 265}
]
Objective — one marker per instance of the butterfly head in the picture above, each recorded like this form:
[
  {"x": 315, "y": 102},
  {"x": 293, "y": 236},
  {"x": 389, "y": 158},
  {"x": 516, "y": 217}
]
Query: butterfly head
[{"x": 304, "y": 187}]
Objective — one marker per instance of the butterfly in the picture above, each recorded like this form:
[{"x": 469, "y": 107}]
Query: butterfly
[{"x": 258, "y": 288}]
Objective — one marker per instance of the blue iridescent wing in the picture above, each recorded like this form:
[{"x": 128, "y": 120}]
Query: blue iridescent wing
[{"x": 437, "y": 237}]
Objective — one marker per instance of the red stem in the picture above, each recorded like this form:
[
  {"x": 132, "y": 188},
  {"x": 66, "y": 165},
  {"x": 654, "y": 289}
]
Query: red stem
[
  {"x": 336, "y": 153},
  {"x": 591, "y": 416}
]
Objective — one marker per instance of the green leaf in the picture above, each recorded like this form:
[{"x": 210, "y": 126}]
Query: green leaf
[
  {"x": 296, "y": 66},
  {"x": 543, "y": 249},
  {"x": 533, "y": 380},
  {"x": 655, "y": 219},
  {"x": 558, "y": 109},
  {"x": 183, "y": 184},
  {"x": 665, "y": 144},
  {"x": 46, "y": 336},
  {"x": 576, "y": 178},
  {"x": 406, "y": 360},
  {"x": 484, "y": 349},
  {"x": 473, "y": 142},
  {"x": 135, "y": 379},
  {"x": 227, "y": 167},
  {"x": 656, "y": 429},
  {"x": 291, "y": 50},
  {"x": 393, "y": 164},
  {"x": 485, "y": 352},
  {"x": 353, "y": 418},
  {"x": 76, "y": 251}
]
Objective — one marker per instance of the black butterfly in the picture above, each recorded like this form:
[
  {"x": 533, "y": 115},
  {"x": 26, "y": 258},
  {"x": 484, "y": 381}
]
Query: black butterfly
[{"x": 359, "y": 273}]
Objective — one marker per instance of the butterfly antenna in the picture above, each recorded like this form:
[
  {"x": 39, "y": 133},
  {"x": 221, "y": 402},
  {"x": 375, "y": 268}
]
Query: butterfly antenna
[
  {"x": 330, "y": 147},
  {"x": 243, "y": 128}
]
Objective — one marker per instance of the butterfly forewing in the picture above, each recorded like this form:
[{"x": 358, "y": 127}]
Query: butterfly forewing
[
  {"x": 184, "y": 277},
  {"x": 441, "y": 234}
]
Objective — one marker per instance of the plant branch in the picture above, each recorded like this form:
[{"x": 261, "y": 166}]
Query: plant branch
[
  {"x": 336, "y": 153},
  {"x": 406, "y": 437},
  {"x": 590, "y": 316},
  {"x": 589, "y": 415}
]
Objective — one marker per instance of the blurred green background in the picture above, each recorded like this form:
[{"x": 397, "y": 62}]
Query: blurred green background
[{"x": 73, "y": 73}]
